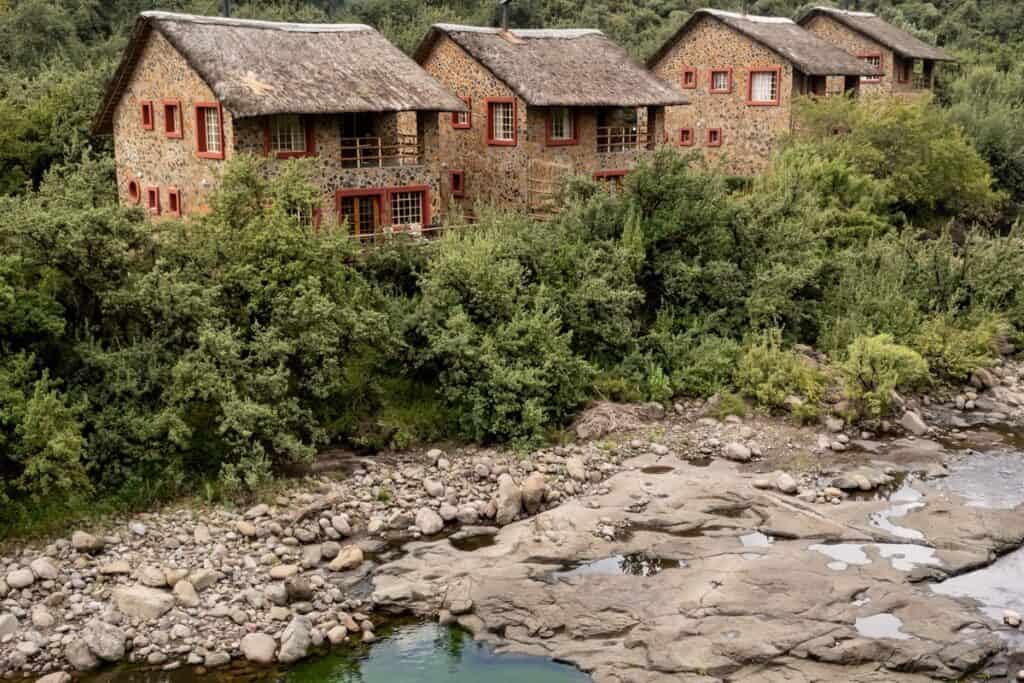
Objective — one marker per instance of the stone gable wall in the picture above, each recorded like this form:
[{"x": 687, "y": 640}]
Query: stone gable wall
[
  {"x": 845, "y": 38},
  {"x": 520, "y": 176},
  {"x": 749, "y": 132},
  {"x": 149, "y": 156}
]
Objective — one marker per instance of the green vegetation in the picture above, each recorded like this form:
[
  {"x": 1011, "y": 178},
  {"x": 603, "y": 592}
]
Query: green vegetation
[{"x": 142, "y": 363}]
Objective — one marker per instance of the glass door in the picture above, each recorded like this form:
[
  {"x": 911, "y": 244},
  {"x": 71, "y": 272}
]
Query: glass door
[{"x": 362, "y": 214}]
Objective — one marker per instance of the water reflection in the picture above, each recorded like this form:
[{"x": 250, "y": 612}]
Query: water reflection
[{"x": 427, "y": 653}]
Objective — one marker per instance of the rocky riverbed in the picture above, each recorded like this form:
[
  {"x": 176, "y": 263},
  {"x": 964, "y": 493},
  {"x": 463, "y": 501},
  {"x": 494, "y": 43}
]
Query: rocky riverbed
[{"x": 660, "y": 546}]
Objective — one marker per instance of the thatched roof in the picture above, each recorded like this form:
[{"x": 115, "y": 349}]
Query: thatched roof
[
  {"x": 257, "y": 68},
  {"x": 882, "y": 32},
  {"x": 559, "y": 67},
  {"x": 806, "y": 51}
]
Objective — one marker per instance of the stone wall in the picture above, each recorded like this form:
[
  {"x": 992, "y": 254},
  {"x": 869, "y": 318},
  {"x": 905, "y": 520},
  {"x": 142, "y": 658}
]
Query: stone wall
[
  {"x": 523, "y": 175},
  {"x": 857, "y": 44},
  {"x": 149, "y": 156},
  {"x": 749, "y": 132},
  {"x": 328, "y": 171}
]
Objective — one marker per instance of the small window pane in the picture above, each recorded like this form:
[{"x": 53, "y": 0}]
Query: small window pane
[
  {"x": 287, "y": 134},
  {"x": 562, "y": 124},
  {"x": 502, "y": 121},
  {"x": 211, "y": 116},
  {"x": 764, "y": 86},
  {"x": 407, "y": 208},
  {"x": 720, "y": 80}
]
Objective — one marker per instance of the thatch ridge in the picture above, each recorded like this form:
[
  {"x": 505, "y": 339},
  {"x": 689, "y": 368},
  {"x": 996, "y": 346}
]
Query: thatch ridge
[
  {"x": 258, "y": 68},
  {"x": 806, "y": 51},
  {"x": 882, "y": 32},
  {"x": 559, "y": 67}
]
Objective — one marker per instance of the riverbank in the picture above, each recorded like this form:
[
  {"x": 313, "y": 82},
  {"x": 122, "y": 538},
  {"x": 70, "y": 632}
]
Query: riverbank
[{"x": 402, "y": 532}]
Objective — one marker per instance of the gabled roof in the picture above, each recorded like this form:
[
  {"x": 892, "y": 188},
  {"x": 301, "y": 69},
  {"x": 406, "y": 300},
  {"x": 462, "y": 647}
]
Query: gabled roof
[
  {"x": 559, "y": 67},
  {"x": 881, "y": 31},
  {"x": 806, "y": 51},
  {"x": 257, "y": 68}
]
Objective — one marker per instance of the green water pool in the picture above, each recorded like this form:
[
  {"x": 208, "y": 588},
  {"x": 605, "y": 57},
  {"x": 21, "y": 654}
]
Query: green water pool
[{"x": 428, "y": 653}]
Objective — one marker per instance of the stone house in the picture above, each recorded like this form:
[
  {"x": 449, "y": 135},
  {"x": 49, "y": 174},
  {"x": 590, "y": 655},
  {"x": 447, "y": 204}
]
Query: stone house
[
  {"x": 907, "y": 63},
  {"x": 192, "y": 92},
  {"x": 742, "y": 73},
  {"x": 543, "y": 104}
]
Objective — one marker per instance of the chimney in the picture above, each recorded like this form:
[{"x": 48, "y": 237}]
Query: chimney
[
  {"x": 225, "y": 8},
  {"x": 504, "y": 15}
]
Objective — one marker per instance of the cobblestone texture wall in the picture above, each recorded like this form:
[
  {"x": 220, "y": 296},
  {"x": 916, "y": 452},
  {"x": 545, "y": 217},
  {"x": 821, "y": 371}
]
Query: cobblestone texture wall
[
  {"x": 857, "y": 44},
  {"x": 329, "y": 172},
  {"x": 512, "y": 176},
  {"x": 748, "y": 132},
  {"x": 149, "y": 156}
]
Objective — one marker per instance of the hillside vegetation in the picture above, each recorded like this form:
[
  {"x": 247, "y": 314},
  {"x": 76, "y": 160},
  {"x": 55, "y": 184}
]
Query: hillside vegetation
[{"x": 138, "y": 364}]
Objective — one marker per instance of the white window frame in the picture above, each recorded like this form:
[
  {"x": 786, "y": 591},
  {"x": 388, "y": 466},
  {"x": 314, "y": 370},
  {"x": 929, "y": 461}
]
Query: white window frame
[
  {"x": 563, "y": 118},
  {"x": 407, "y": 208},
  {"x": 772, "y": 94},
  {"x": 502, "y": 122},
  {"x": 287, "y": 134}
]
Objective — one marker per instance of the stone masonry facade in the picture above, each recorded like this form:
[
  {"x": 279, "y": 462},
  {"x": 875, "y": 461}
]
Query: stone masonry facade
[
  {"x": 149, "y": 159},
  {"x": 524, "y": 175},
  {"x": 859, "y": 45},
  {"x": 747, "y": 132}
]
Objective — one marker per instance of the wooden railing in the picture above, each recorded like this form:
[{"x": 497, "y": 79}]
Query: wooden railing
[
  {"x": 920, "y": 82},
  {"x": 374, "y": 152},
  {"x": 611, "y": 139}
]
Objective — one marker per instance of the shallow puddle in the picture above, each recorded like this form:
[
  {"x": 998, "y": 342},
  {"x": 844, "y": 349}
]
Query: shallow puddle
[
  {"x": 997, "y": 587},
  {"x": 657, "y": 469},
  {"x": 881, "y": 626},
  {"x": 637, "y": 564},
  {"x": 903, "y": 557},
  {"x": 905, "y": 499},
  {"x": 756, "y": 540}
]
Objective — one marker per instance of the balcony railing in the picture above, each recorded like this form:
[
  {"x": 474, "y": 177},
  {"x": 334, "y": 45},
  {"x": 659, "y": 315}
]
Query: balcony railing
[
  {"x": 375, "y": 152},
  {"x": 920, "y": 82},
  {"x": 612, "y": 139}
]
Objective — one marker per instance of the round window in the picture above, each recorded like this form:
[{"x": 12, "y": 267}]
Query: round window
[{"x": 134, "y": 194}]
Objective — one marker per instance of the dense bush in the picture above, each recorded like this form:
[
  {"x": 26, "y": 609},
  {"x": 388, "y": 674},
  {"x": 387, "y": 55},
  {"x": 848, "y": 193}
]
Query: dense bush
[
  {"x": 875, "y": 368},
  {"x": 770, "y": 374}
]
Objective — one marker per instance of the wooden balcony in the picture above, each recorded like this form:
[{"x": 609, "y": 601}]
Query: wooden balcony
[
  {"x": 375, "y": 152},
  {"x": 616, "y": 139}
]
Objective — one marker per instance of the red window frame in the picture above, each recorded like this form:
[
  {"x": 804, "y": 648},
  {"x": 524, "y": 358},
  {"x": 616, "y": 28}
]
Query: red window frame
[
  {"x": 686, "y": 137},
  {"x": 777, "y": 70},
  {"x": 146, "y": 112},
  {"x": 690, "y": 74},
  {"x": 153, "y": 200},
  {"x": 490, "y": 121},
  {"x": 172, "y": 119},
  {"x": 457, "y": 182},
  {"x": 384, "y": 195},
  {"x": 469, "y": 115},
  {"x": 310, "y": 131},
  {"x": 201, "y": 108},
  {"x": 548, "y": 125},
  {"x": 864, "y": 56},
  {"x": 711, "y": 81},
  {"x": 174, "y": 201},
  {"x": 134, "y": 191},
  {"x": 711, "y": 133},
  {"x": 614, "y": 173}
]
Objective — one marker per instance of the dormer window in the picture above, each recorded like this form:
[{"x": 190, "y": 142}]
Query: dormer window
[
  {"x": 561, "y": 127},
  {"x": 290, "y": 136}
]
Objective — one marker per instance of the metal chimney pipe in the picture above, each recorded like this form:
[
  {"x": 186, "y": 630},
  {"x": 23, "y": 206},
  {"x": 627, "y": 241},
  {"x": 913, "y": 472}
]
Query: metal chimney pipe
[
  {"x": 226, "y": 8},
  {"x": 504, "y": 14}
]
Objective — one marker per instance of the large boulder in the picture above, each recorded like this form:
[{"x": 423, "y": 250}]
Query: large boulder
[
  {"x": 295, "y": 641},
  {"x": 21, "y": 578},
  {"x": 737, "y": 452},
  {"x": 141, "y": 602},
  {"x": 86, "y": 543},
  {"x": 80, "y": 656},
  {"x": 104, "y": 640},
  {"x": 44, "y": 568},
  {"x": 350, "y": 557},
  {"x": 509, "y": 500},
  {"x": 575, "y": 468},
  {"x": 186, "y": 594},
  {"x": 914, "y": 423},
  {"x": 258, "y": 648},
  {"x": 55, "y": 677},
  {"x": 8, "y": 624},
  {"x": 428, "y": 522},
  {"x": 534, "y": 489}
]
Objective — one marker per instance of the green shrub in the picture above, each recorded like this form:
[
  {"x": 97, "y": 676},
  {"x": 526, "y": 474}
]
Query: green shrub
[
  {"x": 730, "y": 404},
  {"x": 876, "y": 367},
  {"x": 769, "y": 373},
  {"x": 955, "y": 351}
]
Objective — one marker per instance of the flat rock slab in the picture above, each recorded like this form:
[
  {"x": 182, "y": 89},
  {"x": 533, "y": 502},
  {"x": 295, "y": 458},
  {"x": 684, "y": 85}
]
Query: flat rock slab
[{"x": 699, "y": 595}]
